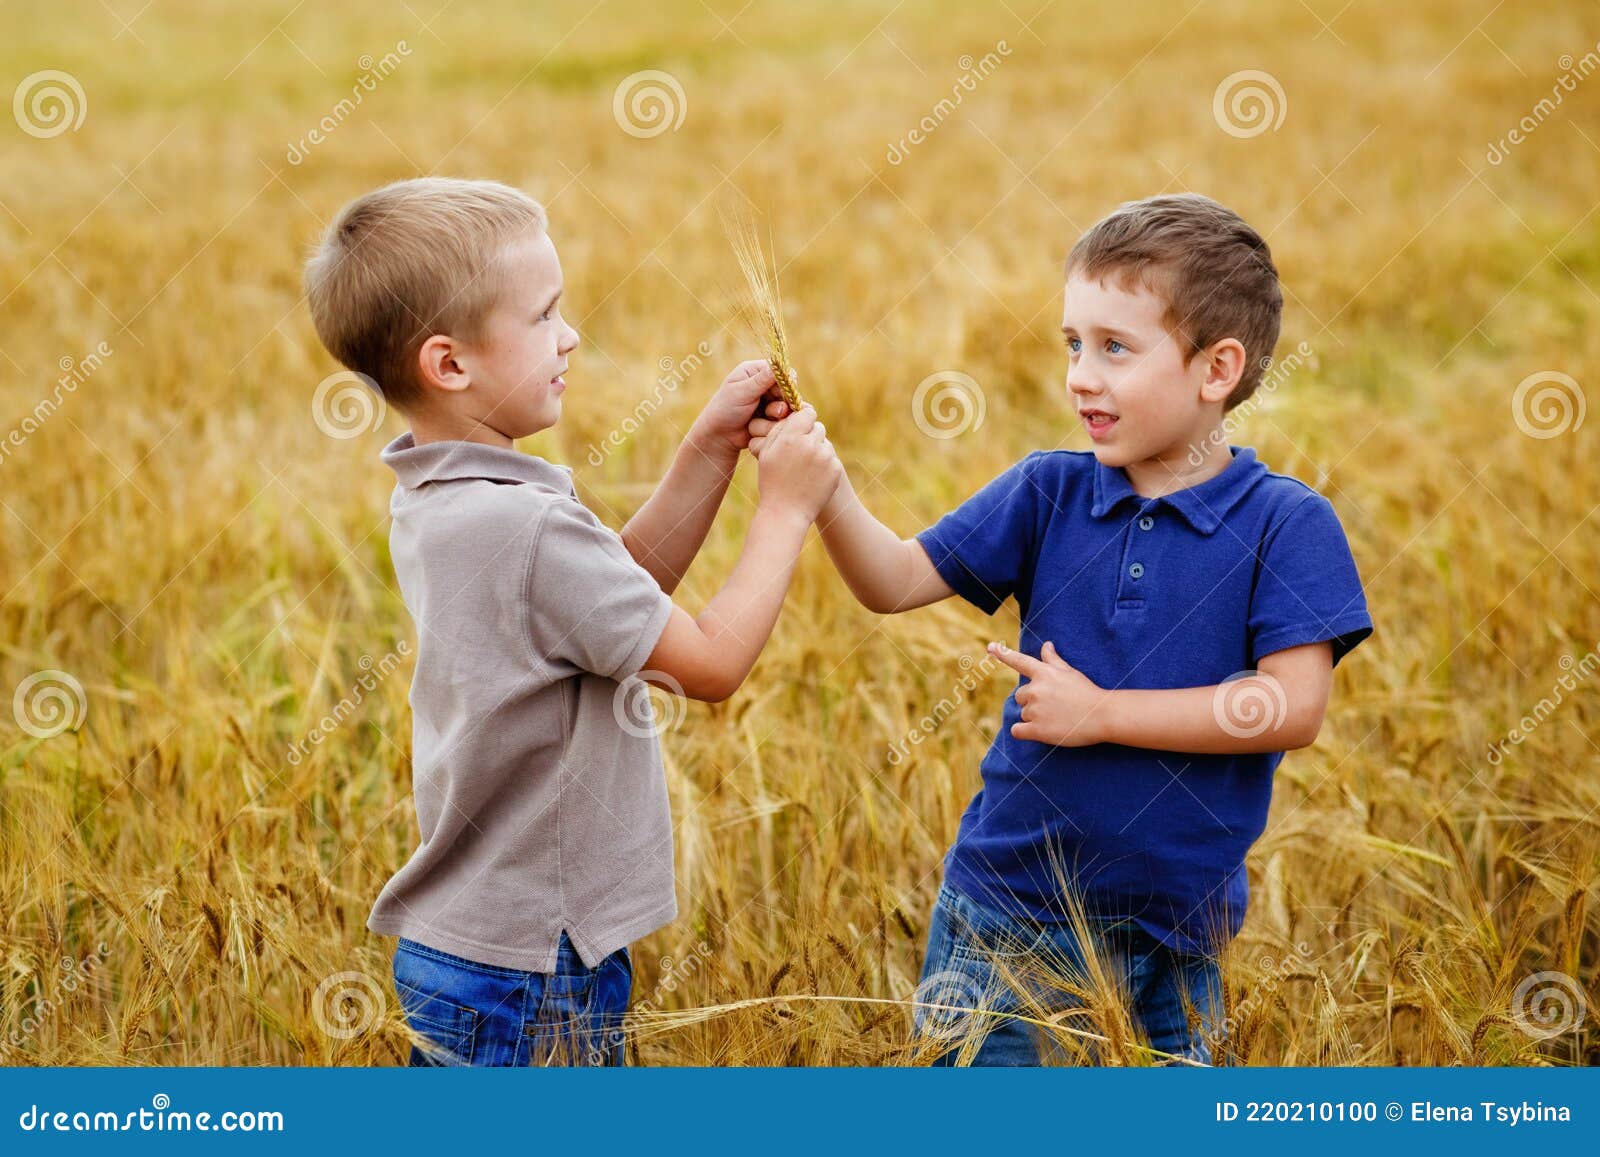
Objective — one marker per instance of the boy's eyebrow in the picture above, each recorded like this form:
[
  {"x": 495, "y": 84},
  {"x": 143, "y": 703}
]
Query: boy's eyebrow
[
  {"x": 1111, "y": 330},
  {"x": 555, "y": 297}
]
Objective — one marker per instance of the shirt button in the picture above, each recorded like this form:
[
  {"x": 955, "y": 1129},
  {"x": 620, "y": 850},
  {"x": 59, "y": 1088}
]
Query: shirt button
[
  {"x": 1146, "y": 522},
  {"x": 1136, "y": 570}
]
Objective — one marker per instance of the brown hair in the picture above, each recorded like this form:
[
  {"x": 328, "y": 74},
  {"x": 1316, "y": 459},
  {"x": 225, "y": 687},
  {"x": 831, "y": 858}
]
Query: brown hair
[
  {"x": 407, "y": 261},
  {"x": 1214, "y": 271}
]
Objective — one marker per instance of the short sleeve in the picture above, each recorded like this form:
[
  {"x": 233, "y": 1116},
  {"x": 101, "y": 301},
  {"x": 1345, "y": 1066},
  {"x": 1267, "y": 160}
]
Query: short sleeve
[
  {"x": 984, "y": 548},
  {"x": 1308, "y": 590},
  {"x": 590, "y": 605}
]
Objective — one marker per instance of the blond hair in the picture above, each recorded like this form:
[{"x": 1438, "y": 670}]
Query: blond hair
[
  {"x": 1214, "y": 271},
  {"x": 407, "y": 261}
]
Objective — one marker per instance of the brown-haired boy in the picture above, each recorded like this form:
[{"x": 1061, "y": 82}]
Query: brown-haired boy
[{"x": 1182, "y": 610}]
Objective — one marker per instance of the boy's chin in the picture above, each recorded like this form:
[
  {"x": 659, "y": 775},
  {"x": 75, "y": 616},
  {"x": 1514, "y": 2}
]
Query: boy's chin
[
  {"x": 1111, "y": 456},
  {"x": 538, "y": 423}
]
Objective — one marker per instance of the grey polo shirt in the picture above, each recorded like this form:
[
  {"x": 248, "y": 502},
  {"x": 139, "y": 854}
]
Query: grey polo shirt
[{"x": 541, "y": 801}]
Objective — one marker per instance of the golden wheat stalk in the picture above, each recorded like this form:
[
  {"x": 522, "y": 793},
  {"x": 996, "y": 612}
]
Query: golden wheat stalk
[{"x": 762, "y": 305}]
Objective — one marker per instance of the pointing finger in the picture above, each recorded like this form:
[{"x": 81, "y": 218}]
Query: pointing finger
[{"x": 1017, "y": 661}]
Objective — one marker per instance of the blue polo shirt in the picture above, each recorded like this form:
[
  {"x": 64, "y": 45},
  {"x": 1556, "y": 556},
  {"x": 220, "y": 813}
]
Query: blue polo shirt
[{"x": 1183, "y": 590}]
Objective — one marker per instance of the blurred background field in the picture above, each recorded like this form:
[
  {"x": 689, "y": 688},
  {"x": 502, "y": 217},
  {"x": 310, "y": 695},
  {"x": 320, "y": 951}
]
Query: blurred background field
[{"x": 196, "y": 543}]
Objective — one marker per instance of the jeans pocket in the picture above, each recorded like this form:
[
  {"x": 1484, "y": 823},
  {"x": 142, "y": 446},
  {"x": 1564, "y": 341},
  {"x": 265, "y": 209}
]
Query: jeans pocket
[{"x": 427, "y": 989}]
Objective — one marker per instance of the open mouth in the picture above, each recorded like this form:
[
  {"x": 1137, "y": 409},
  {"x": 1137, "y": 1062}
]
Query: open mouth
[{"x": 1098, "y": 421}]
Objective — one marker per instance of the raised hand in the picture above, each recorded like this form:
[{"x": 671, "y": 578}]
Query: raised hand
[
  {"x": 722, "y": 429},
  {"x": 799, "y": 468}
]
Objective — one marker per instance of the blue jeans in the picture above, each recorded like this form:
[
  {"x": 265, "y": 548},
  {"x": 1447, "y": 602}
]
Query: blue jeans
[
  {"x": 480, "y": 1014},
  {"x": 971, "y": 948}
]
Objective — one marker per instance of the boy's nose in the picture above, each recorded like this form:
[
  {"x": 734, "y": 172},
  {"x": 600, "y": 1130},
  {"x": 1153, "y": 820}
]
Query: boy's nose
[
  {"x": 1083, "y": 382},
  {"x": 569, "y": 341}
]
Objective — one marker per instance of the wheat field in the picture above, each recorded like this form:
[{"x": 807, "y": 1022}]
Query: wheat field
[{"x": 204, "y": 775}]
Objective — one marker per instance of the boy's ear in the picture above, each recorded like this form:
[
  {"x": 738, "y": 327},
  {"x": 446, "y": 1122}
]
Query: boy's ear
[
  {"x": 438, "y": 364},
  {"x": 1224, "y": 367}
]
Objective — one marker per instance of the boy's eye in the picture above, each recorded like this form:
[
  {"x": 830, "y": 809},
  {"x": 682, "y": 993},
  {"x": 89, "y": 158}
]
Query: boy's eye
[
  {"x": 1115, "y": 346},
  {"x": 545, "y": 316},
  {"x": 1074, "y": 345}
]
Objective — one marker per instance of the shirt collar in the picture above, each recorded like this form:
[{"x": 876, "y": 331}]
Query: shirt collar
[
  {"x": 445, "y": 461},
  {"x": 1203, "y": 506}
]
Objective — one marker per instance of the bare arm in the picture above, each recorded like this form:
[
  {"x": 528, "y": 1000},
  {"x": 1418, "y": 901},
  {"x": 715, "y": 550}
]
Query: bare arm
[
  {"x": 666, "y": 533},
  {"x": 1277, "y": 708},
  {"x": 708, "y": 656},
  {"x": 885, "y": 572}
]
